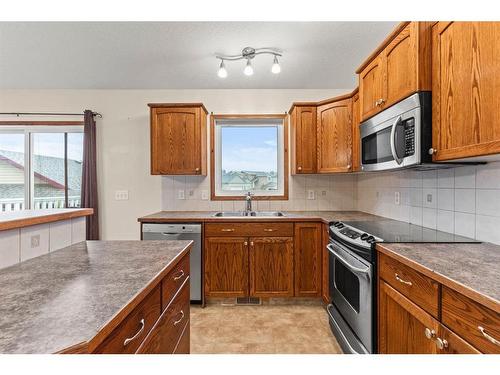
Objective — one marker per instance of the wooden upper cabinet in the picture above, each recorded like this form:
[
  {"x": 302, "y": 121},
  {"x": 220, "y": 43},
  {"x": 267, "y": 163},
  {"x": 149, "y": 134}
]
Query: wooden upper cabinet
[
  {"x": 178, "y": 139},
  {"x": 371, "y": 88},
  {"x": 400, "y": 67},
  {"x": 356, "y": 141},
  {"x": 226, "y": 267},
  {"x": 465, "y": 92},
  {"x": 308, "y": 253},
  {"x": 271, "y": 266},
  {"x": 303, "y": 128},
  {"x": 334, "y": 136}
]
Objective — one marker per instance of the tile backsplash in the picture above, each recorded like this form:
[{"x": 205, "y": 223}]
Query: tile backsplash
[
  {"x": 462, "y": 200},
  {"x": 330, "y": 193}
]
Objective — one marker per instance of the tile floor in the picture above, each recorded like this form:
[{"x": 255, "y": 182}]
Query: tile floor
[{"x": 292, "y": 329}]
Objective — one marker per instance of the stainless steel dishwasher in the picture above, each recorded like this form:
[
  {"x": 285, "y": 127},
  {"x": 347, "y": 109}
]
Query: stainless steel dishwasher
[{"x": 181, "y": 232}]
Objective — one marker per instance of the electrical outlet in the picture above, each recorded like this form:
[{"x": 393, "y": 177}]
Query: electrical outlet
[
  {"x": 429, "y": 198},
  {"x": 121, "y": 195},
  {"x": 35, "y": 241},
  {"x": 191, "y": 193},
  {"x": 311, "y": 194},
  {"x": 204, "y": 195},
  {"x": 181, "y": 194},
  {"x": 397, "y": 198},
  {"x": 323, "y": 193}
]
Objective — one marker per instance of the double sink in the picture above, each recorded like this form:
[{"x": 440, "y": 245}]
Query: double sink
[{"x": 249, "y": 214}]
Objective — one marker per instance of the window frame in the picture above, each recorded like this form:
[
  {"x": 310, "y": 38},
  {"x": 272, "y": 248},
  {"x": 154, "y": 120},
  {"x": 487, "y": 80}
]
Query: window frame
[
  {"x": 214, "y": 149},
  {"x": 28, "y": 129}
]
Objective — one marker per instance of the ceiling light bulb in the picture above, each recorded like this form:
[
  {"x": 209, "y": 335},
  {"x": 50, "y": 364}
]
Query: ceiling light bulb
[
  {"x": 276, "y": 68},
  {"x": 222, "y": 73},
  {"x": 248, "y": 68}
]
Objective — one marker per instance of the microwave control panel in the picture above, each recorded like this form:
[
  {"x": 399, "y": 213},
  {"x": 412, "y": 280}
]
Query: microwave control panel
[{"x": 409, "y": 128}]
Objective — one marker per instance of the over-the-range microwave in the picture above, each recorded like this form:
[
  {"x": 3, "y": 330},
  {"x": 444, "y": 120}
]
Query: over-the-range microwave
[{"x": 400, "y": 136}]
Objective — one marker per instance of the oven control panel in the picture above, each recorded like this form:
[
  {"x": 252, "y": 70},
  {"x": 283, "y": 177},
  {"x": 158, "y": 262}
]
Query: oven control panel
[
  {"x": 409, "y": 126},
  {"x": 353, "y": 235}
]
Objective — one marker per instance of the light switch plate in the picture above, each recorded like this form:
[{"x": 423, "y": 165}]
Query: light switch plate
[
  {"x": 204, "y": 195},
  {"x": 429, "y": 198},
  {"x": 181, "y": 194},
  {"x": 121, "y": 195},
  {"x": 311, "y": 194}
]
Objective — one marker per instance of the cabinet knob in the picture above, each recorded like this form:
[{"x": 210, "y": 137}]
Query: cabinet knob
[
  {"x": 245, "y": 243},
  {"x": 430, "y": 334},
  {"x": 433, "y": 151},
  {"x": 441, "y": 343},
  {"x": 197, "y": 169},
  {"x": 251, "y": 243},
  {"x": 299, "y": 168}
]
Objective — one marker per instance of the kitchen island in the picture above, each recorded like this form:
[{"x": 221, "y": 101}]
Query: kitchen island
[{"x": 98, "y": 297}]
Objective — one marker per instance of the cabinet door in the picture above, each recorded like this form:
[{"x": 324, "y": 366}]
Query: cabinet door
[
  {"x": 401, "y": 65},
  {"x": 454, "y": 344},
  {"x": 325, "y": 238},
  {"x": 356, "y": 153},
  {"x": 371, "y": 89},
  {"x": 307, "y": 255},
  {"x": 304, "y": 140},
  {"x": 402, "y": 324},
  {"x": 271, "y": 267},
  {"x": 226, "y": 267},
  {"x": 465, "y": 85},
  {"x": 175, "y": 141},
  {"x": 334, "y": 137}
]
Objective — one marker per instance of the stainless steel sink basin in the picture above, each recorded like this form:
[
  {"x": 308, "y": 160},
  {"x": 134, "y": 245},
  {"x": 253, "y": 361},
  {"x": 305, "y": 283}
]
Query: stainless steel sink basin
[{"x": 251, "y": 213}]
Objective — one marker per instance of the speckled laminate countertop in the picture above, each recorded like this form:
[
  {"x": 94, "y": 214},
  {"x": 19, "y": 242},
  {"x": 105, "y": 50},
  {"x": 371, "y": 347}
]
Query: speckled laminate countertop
[
  {"x": 64, "y": 298},
  {"x": 208, "y": 216},
  {"x": 471, "y": 269}
]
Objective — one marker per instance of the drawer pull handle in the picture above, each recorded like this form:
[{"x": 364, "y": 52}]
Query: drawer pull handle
[
  {"x": 180, "y": 320},
  {"x": 130, "y": 339},
  {"x": 430, "y": 334},
  {"x": 441, "y": 343},
  {"x": 401, "y": 280},
  {"x": 268, "y": 230},
  {"x": 488, "y": 337},
  {"x": 179, "y": 275},
  {"x": 227, "y": 230}
]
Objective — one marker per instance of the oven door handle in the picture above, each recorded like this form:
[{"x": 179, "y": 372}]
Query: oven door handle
[
  {"x": 365, "y": 271},
  {"x": 393, "y": 141}
]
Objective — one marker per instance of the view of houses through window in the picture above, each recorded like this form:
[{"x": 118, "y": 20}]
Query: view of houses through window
[
  {"x": 52, "y": 178},
  {"x": 249, "y": 157}
]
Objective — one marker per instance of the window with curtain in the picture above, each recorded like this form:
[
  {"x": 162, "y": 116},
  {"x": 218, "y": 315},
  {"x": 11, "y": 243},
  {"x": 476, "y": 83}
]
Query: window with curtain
[{"x": 40, "y": 166}]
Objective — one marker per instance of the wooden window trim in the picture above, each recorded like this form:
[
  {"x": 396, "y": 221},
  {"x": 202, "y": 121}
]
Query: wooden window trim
[{"x": 213, "y": 118}]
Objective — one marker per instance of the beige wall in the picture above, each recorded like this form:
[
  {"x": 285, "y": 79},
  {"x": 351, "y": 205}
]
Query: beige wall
[{"x": 123, "y": 137}]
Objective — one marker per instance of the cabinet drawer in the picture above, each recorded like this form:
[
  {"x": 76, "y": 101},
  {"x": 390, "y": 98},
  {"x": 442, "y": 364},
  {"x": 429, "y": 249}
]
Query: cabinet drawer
[
  {"x": 129, "y": 334},
  {"x": 174, "y": 280},
  {"x": 477, "y": 324},
  {"x": 250, "y": 229},
  {"x": 165, "y": 335},
  {"x": 412, "y": 284}
]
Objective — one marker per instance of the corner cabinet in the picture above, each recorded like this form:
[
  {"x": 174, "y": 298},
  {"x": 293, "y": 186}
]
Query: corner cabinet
[
  {"x": 303, "y": 130},
  {"x": 334, "y": 136},
  {"x": 178, "y": 139},
  {"x": 465, "y": 92},
  {"x": 397, "y": 69}
]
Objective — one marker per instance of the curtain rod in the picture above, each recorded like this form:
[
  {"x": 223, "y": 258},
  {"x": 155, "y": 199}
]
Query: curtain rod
[{"x": 46, "y": 114}]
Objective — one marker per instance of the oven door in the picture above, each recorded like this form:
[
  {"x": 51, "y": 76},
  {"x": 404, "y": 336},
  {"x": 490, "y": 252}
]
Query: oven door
[
  {"x": 391, "y": 143},
  {"x": 351, "y": 280}
]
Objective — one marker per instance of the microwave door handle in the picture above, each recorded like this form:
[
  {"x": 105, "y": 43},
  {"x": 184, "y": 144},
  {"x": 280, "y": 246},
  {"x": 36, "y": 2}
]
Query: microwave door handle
[
  {"x": 393, "y": 141},
  {"x": 365, "y": 271}
]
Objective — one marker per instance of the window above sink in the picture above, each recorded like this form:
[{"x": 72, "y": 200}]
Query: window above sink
[{"x": 249, "y": 154}]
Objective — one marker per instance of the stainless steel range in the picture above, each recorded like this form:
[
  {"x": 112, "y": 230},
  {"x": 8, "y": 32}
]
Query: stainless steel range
[{"x": 353, "y": 271}]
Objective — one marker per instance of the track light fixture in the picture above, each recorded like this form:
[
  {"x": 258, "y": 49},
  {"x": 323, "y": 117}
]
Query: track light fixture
[{"x": 248, "y": 53}]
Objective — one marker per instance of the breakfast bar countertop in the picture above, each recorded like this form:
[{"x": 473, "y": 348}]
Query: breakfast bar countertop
[{"x": 64, "y": 298}]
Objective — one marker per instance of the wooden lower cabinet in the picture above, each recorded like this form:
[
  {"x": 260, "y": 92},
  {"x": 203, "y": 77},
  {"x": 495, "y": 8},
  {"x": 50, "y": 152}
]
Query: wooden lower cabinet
[
  {"x": 271, "y": 267},
  {"x": 308, "y": 252},
  {"x": 183, "y": 346},
  {"x": 226, "y": 267},
  {"x": 402, "y": 324}
]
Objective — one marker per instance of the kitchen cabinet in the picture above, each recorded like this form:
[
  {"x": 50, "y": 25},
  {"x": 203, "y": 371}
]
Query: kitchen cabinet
[
  {"x": 465, "y": 83},
  {"x": 308, "y": 254},
  {"x": 226, "y": 266},
  {"x": 418, "y": 315},
  {"x": 178, "y": 139},
  {"x": 399, "y": 67},
  {"x": 325, "y": 286},
  {"x": 334, "y": 136},
  {"x": 356, "y": 140},
  {"x": 271, "y": 267},
  {"x": 303, "y": 130}
]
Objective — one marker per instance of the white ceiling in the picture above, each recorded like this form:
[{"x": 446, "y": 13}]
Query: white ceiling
[{"x": 180, "y": 55}]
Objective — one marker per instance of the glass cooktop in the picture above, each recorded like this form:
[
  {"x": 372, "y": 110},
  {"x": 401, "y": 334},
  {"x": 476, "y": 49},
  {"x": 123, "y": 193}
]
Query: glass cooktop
[{"x": 398, "y": 231}]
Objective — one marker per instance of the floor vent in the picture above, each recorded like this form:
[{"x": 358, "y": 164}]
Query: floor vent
[{"x": 248, "y": 301}]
